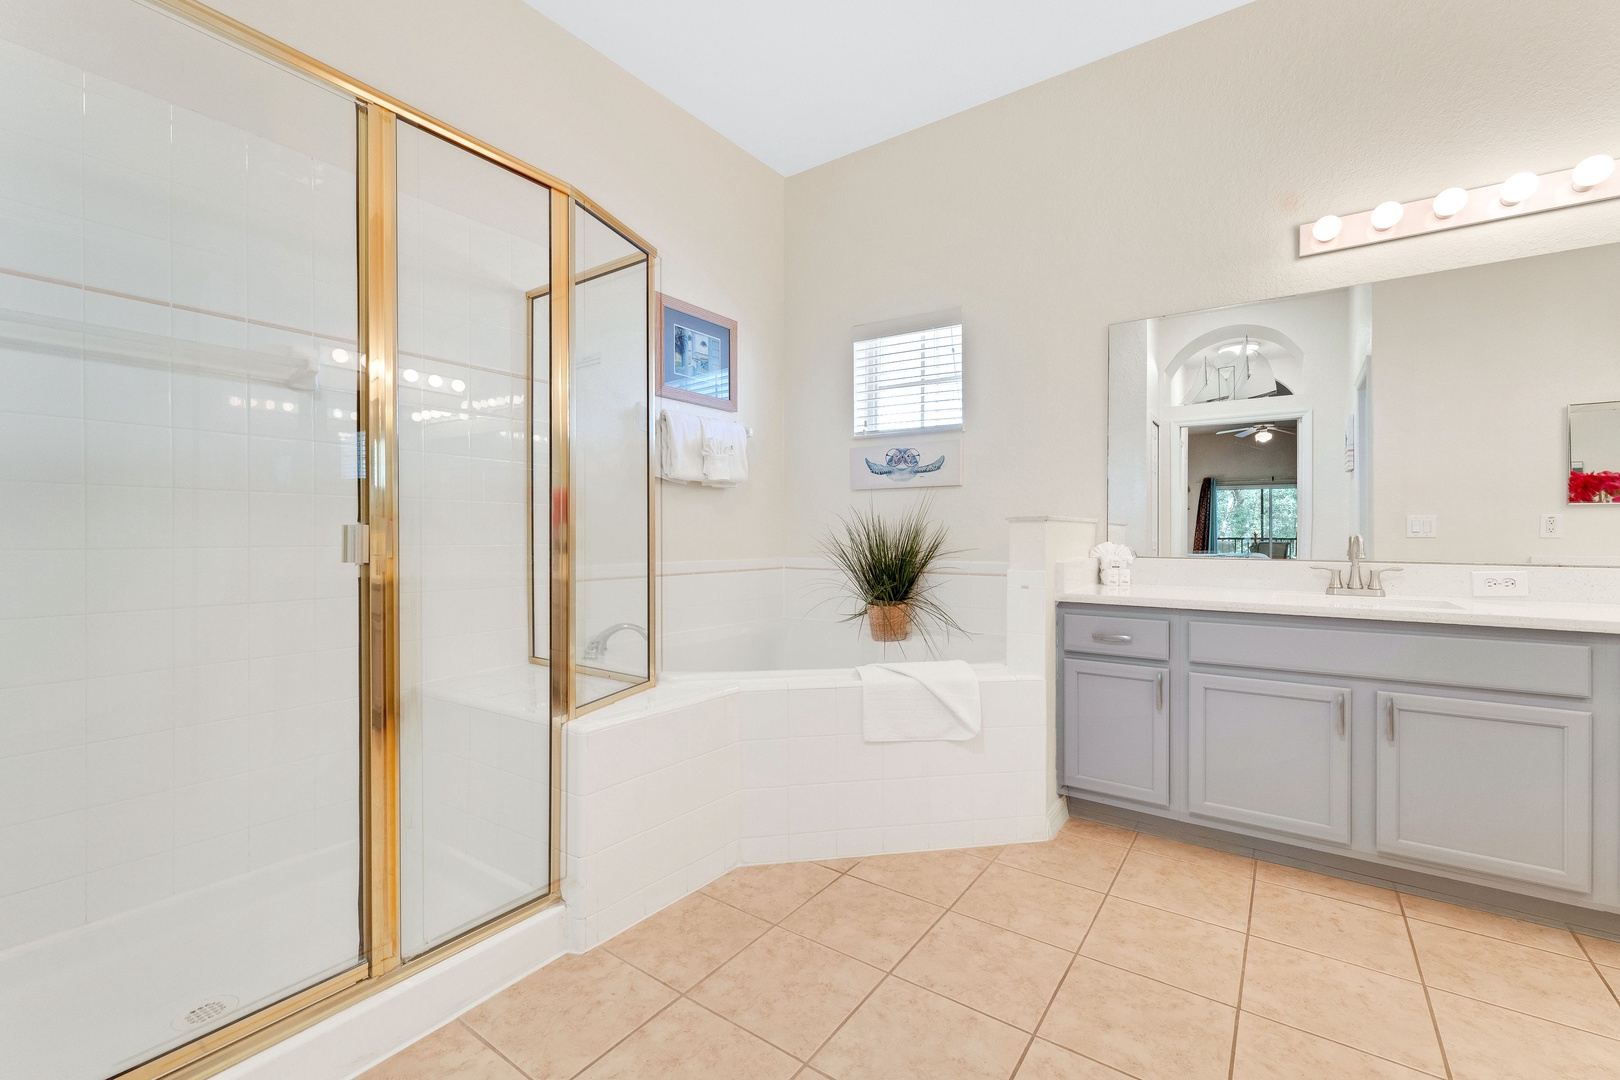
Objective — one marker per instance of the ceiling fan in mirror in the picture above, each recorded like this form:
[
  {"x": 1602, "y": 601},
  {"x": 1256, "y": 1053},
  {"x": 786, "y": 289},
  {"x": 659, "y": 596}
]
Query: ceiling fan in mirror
[{"x": 1262, "y": 432}]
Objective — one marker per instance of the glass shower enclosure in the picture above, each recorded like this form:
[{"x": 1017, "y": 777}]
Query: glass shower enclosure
[{"x": 324, "y": 474}]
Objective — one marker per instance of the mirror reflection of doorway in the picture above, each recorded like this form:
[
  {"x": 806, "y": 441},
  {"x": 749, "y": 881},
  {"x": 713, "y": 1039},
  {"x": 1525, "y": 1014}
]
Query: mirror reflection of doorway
[{"x": 1243, "y": 490}]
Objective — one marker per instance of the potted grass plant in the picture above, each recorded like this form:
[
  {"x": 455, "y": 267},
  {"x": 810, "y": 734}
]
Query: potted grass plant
[{"x": 885, "y": 564}]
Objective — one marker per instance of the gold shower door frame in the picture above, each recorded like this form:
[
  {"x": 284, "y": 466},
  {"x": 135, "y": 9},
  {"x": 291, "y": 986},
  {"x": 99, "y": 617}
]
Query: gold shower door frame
[{"x": 379, "y": 911}]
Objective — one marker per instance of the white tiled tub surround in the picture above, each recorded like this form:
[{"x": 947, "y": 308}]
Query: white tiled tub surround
[
  {"x": 788, "y": 614},
  {"x": 670, "y": 789}
]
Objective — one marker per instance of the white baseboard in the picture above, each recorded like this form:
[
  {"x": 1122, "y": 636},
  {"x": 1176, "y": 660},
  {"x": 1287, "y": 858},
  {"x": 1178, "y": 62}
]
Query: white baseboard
[
  {"x": 1056, "y": 815},
  {"x": 352, "y": 1041}
]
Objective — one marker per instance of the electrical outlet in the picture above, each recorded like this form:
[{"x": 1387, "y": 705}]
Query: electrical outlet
[
  {"x": 1421, "y": 525},
  {"x": 1501, "y": 583},
  {"x": 1552, "y": 526}
]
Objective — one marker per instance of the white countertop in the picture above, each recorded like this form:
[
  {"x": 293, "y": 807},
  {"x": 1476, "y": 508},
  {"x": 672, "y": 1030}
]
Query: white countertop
[{"x": 1523, "y": 614}]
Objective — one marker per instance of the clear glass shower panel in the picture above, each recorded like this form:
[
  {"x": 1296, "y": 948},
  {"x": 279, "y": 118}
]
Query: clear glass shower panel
[
  {"x": 475, "y": 746},
  {"x": 179, "y": 711},
  {"x": 609, "y": 462}
]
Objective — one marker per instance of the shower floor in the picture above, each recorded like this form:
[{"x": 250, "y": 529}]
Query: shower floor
[{"x": 93, "y": 1001}]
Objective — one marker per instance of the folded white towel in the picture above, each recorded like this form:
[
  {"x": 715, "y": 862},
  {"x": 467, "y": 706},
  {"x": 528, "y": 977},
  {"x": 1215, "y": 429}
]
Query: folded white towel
[
  {"x": 929, "y": 701},
  {"x": 725, "y": 453},
  {"x": 680, "y": 447}
]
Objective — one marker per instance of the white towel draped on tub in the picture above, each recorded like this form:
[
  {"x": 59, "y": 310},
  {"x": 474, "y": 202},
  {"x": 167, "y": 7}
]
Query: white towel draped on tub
[{"x": 933, "y": 701}]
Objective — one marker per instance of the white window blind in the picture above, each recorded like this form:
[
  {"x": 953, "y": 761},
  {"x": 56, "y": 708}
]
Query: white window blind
[{"x": 909, "y": 382}]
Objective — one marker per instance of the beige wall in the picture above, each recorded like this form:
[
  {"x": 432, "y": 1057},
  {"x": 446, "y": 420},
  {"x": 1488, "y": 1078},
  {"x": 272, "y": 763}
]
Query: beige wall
[
  {"x": 1164, "y": 179},
  {"x": 502, "y": 72},
  {"x": 1472, "y": 373}
]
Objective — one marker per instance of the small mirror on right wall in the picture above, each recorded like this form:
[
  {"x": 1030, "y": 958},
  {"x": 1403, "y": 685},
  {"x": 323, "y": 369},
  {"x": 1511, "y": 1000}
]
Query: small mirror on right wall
[{"x": 1594, "y": 452}]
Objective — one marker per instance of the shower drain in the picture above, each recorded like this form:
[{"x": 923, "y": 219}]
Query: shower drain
[{"x": 204, "y": 1013}]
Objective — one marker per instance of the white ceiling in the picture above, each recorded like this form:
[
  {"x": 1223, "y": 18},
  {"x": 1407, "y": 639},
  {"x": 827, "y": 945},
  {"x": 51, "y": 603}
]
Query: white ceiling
[{"x": 799, "y": 83}]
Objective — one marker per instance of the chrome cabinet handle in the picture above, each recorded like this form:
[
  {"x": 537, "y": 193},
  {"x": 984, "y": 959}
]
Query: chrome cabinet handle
[
  {"x": 1341, "y": 713},
  {"x": 1389, "y": 718},
  {"x": 1158, "y": 692},
  {"x": 1111, "y": 639}
]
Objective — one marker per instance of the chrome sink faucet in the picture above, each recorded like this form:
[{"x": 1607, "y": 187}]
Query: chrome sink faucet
[{"x": 1357, "y": 581}]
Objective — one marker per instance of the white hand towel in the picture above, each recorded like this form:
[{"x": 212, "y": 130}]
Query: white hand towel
[
  {"x": 929, "y": 701},
  {"x": 725, "y": 455},
  {"x": 680, "y": 447}
]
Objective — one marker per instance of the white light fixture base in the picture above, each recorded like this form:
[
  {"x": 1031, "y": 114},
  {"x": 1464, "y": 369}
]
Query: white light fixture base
[{"x": 1557, "y": 190}]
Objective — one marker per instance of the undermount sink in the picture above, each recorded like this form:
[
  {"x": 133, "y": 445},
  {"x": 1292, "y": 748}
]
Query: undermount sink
[{"x": 1397, "y": 601}]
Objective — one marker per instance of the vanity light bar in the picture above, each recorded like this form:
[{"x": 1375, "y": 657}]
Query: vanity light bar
[{"x": 1593, "y": 180}]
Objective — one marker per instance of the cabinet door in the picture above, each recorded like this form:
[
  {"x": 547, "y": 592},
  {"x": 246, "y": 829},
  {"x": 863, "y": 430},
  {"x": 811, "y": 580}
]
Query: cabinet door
[
  {"x": 1116, "y": 734},
  {"x": 1272, "y": 754},
  {"x": 1498, "y": 788}
]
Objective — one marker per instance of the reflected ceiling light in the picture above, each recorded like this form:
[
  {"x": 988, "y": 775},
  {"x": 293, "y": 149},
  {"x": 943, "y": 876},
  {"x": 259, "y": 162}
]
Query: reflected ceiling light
[
  {"x": 1449, "y": 202},
  {"x": 340, "y": 356},
  {"x": 411, "y": 375},
  {"x": 457, "y": 385},
  {"x": 1326, "y": 230},
  {"x": 287, "y": 406},
  {"x": 1519, "y": 187},
  {"x": 417, "y": 417},
  {"x": 434, "y": 380},
  {"x": 337, "y": 414},
  {"x": 1387, "y": 215},
  {"x": 1262, "y": 436},
  {"x": 1592, "y": 172}
]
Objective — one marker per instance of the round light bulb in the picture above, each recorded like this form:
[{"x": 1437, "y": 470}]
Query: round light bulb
[
  {"x": 1449, "y": 202},
  {"x": 457, "y": 385},
  {"x": 411, "y": 375},
  {"x": 1592, "y": 172},
  {"x": 435, "y": 381},
  {"x": 1262, "y": 436},
  {"x": 1519, "y": 187},
  {"x": 337, "y": 414},
  {"x": 1327, "y": 229},
  {"x": 340, "y": 356},
  {"x": 1386, "y": 215}
]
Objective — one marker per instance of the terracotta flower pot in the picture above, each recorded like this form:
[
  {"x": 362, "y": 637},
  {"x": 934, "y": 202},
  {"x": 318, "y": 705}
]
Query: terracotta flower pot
[{"x": 889, "y": 622}]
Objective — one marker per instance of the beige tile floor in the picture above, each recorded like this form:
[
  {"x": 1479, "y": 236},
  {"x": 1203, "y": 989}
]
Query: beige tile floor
[{"x": 1100, "y": 955}]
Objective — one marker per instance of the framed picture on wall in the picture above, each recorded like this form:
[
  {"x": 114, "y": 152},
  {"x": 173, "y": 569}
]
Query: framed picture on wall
[{"x": 697, "y": 355}]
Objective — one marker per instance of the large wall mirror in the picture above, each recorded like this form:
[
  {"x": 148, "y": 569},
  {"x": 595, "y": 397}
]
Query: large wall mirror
[{"x": 1470, "y": 415}]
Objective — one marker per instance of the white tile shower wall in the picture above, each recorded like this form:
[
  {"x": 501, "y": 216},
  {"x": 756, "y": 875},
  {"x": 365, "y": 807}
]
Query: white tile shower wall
[
  {"x": 177, "y": 633},
  {"x": 671, "y": 789}
]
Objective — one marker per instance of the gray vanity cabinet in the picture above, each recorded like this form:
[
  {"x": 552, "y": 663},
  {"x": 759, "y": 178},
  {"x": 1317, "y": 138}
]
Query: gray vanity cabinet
[
  {"x": 1117, "y": 728},
  {"x": 1271, "y": 754},
  {"x": 1491, "y": 755},
  {"x": 1499, "y": 788}
]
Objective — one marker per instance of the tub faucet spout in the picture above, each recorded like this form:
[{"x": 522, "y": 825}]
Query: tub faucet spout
[{"x": 598, "y": 644}]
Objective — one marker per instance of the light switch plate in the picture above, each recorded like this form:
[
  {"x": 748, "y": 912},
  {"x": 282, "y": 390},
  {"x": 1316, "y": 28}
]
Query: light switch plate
[
  {"x": 1501, "y": 583},
  {"x": 1552, "y": 526},
  {"x": 1421, "y": 525}
]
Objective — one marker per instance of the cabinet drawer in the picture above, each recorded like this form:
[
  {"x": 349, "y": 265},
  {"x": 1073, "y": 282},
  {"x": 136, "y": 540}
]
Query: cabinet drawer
[
  {"x": 1526, "y": 667},
  {"x": 1113, "y": 635}
]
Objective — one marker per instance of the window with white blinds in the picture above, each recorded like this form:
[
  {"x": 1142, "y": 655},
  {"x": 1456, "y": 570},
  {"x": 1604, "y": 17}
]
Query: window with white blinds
[{"x": 909, "y": 382}]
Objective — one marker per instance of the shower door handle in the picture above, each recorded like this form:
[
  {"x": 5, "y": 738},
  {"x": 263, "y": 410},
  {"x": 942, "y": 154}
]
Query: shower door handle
[{"x": 356, "y": 543}]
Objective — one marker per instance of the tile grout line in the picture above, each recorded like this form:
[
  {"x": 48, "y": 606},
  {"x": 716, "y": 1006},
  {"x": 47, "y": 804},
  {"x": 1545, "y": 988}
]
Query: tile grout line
[
  {"x": 888, "y": 971},
  {"x": 1581, "y": 945},
  {"x": 1243, "y": 974},
  {"x": 1056, "y": 990},
  {"x": 493, "y": 1048},
  {"x": 1428, "y": 1000}
]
